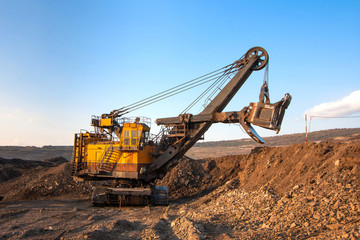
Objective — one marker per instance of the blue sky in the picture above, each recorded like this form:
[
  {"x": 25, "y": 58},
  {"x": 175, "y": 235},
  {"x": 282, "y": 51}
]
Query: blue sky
[{"x": 63, "y": 61}]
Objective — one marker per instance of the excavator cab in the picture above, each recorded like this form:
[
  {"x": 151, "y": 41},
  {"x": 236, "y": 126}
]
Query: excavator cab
[
  {"x": 134, "y": 136},
  {"x": 102, "y": 155}
]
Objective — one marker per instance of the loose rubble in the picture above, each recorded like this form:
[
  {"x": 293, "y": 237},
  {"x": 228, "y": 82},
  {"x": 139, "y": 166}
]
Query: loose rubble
[
  {"x": 304, "y": 191},
  {"x": 301, "y": 191},
  {"x": 43, "y": 183}
]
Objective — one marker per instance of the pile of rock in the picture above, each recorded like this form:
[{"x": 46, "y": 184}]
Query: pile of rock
[
  {"x": 44, "y": 183},
  {"x": 185, "y": 179},
  {"x": 324, "y": 202}
]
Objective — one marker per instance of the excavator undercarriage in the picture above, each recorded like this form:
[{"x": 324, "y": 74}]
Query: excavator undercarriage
[{"x": 122, "y": 150}]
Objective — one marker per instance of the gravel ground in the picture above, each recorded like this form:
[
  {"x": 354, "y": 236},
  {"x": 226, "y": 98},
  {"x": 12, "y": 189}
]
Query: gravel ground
[{"x": 304, "y": 191}]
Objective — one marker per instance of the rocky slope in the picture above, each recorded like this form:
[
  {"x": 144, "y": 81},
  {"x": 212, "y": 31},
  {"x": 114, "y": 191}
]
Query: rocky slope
[{"x": 303, "y": 191}]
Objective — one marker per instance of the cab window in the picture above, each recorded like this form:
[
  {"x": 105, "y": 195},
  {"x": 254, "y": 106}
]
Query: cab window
[
  {"x": 126, "y": 137},
  {"x": 144, "y": 138},
  {"x": 134, "y": 137}
]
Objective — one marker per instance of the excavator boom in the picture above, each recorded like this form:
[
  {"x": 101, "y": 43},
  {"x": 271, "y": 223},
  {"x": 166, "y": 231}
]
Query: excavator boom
[
  {"x": 122, "y": 151},
  {"x": 193, "y": 127}
]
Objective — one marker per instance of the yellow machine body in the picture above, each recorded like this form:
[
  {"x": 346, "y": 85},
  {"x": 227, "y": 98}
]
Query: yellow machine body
[
  {"x": 98, "y": 157},
  {"x": 106, "y": 122},
  {"x": 120, "y": 150}
]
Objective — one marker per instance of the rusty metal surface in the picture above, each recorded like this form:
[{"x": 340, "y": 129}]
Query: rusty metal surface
[{"x": 255, "y": 59}]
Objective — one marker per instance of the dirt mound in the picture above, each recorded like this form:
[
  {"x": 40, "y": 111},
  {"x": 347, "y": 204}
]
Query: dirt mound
[
  {"x": 300, "y": 191},
  {"x": 12, "y": 168},
  {"x": 304, "y": 191},
  {"x": 276, "y": 168},
  {"x": 185, "y": 179},
  {"x": 190, "y": 176},
  {"x": 56, "y": 160},
  {"x": 281, "y": 168},
  {"x": 44, "y": 183}
]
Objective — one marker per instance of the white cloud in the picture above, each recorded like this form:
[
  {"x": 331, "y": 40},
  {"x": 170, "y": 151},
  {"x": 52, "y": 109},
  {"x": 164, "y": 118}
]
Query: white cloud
[{"x": 339, "y": 108}]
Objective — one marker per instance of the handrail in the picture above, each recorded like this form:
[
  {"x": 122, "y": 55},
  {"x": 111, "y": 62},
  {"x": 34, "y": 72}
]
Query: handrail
[{"x": 105, "y": 155}]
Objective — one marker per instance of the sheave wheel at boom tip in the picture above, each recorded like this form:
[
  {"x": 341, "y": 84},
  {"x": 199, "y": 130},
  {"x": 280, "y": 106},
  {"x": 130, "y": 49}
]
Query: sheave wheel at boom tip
[{"x": 261, "y": 54}]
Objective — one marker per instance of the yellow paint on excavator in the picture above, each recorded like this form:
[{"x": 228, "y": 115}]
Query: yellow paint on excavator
[
  {"x": 96, "y": 151},
  {"x": 106, "y": 122},
  {"x": 124, "y": 157}
]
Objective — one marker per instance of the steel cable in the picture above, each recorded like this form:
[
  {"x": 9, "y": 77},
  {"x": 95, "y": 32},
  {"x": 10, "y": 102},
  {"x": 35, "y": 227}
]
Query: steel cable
[
  {"x": 164, "y": 97},
  {"x": 221, "y": 83},
  {"x": 204, "y": 93},
  {"x": 214, "y": 75},
  {"x": 173, "y": 89},
  {"x": 216, "y": 86},
  {"x": 170, "y": 94}
]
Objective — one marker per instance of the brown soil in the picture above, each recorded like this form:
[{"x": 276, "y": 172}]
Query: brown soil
[
  {"x": 304, "y": 191},
  {"x": 211, "y": 152},
  {"x": 12, "y": 168},
  {"x": 43, "y": 181}
]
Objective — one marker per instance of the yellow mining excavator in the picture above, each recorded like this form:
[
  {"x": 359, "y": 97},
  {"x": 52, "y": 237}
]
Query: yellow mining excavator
[{"x": 122, "y": 150}]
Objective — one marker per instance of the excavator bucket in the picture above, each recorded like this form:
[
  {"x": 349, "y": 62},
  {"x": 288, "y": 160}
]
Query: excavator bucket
[{"x": 265, "y": 115}]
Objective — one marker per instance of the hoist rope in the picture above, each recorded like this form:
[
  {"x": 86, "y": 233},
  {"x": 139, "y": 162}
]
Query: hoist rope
[
  {"x": 203, "y": 94},
  {"x": 215, "y": 86},
  {"x": 174, "y": 90},
  {"x": 266, "y": 75},
  {"x": 219, "y": 76},
  {"x": 221, "y": 83},
  {"x": 164, "y": 96}
]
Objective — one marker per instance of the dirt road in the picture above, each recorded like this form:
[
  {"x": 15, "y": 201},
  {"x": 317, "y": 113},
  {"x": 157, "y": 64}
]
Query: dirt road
[{"x": 78, "y": 219}]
